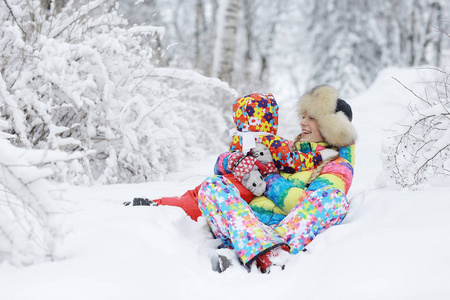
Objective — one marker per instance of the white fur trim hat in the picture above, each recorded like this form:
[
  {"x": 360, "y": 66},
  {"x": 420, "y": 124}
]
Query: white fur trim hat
[{"x": 333, "y": 115}]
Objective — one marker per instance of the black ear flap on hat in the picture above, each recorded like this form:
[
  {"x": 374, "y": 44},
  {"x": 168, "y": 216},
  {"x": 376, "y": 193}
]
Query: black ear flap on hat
[{"x": 343, "y": 106}]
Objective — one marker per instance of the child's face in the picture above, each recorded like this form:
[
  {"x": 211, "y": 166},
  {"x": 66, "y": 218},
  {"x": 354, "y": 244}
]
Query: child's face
[{"x": 310, "y": 130}]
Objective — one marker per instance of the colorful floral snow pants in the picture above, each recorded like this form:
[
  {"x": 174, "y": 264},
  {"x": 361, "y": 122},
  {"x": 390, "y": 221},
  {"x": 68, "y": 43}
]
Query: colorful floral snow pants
[{"x": 232, "y": 220}]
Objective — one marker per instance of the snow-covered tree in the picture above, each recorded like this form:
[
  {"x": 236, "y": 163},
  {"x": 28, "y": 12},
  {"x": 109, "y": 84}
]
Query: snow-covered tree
[
  {"x": 189, "y": 29},
  {"x": 354, "y": 40},
  {"x": 259, "y": 39},
  {"x": 414, "y": 31},
  {"x": 192, "y": 28},
  {"x": 83, "y": 81},
  {"x": 346, "y": 44}
]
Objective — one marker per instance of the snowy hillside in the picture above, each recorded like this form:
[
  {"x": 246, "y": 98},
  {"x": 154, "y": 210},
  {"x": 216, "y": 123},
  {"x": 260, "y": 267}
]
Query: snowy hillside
[{"x": 394, "y": 243}]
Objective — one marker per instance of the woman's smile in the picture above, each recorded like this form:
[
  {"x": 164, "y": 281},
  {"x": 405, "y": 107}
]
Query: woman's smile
[{"x": 310, "y": 130}]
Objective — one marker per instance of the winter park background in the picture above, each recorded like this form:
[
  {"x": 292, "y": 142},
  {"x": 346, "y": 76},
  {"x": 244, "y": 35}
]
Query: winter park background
[{"x": 102, "y": 101}]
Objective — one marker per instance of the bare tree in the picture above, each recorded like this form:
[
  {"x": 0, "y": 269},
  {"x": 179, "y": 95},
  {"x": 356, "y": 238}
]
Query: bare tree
[{"x": 419, "y": 148}]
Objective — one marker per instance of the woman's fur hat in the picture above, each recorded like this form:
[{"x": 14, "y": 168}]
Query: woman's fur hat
[{"x": 333, "y": 115}]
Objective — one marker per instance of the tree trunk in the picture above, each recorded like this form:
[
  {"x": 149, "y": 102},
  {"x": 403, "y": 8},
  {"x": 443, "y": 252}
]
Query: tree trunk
[
  {"x": 226, "y": 39},
  {"x": 198, "y": 32},
  {"x": 412, "y": 35},
  {"x": 247, "y": 6},
  {"x": 438, "y": 43}
]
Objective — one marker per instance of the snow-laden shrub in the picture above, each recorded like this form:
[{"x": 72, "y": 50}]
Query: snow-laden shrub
[
  {"x": 30, "y": 206},
  {"x": 419, "y": 148},
  {"x": 79, "y": 79}
]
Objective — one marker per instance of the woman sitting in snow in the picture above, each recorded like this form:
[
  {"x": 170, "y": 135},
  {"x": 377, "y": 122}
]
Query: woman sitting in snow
[{"x": 296, "y": 207}]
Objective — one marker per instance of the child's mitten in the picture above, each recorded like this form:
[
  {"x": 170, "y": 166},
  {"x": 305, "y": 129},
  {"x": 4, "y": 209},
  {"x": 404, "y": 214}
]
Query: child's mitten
[
  {"x": 142, "y": 201},
  {"x": 263, "y": 155}
]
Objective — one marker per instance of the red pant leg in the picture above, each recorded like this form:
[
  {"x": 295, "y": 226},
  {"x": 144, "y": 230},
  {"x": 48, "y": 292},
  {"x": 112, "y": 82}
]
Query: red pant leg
[{"x": 189, "y": 200}]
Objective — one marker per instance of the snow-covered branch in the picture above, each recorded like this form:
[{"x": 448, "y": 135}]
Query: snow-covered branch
[
  {"x": 420, "y": 147},
  {"x": 30, "y": 209},
  {"x": 195, "y": 77}
]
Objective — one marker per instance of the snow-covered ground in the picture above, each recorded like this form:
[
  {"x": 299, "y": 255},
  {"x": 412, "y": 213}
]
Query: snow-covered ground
[{"x": 394, "y": 244}]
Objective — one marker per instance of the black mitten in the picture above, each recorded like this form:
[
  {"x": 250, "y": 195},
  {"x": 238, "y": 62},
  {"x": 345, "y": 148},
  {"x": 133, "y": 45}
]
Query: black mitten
[{"x": 140, "y": 202}]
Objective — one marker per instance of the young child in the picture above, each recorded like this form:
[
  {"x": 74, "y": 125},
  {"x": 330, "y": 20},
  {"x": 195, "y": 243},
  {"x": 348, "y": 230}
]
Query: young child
[{"x": 254, "y": 141}]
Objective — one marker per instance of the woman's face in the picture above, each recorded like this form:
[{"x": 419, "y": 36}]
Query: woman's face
[{"x": 310, "y": 130}]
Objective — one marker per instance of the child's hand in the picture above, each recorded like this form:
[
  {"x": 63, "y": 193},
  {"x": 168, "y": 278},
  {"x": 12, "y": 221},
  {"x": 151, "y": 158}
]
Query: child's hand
[{"x": 265, "y": 161}]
